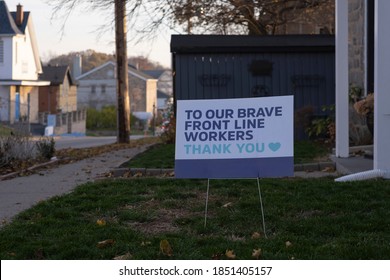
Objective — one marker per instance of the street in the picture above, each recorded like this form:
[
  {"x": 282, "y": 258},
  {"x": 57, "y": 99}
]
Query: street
[{"x": 87, "y": 141}]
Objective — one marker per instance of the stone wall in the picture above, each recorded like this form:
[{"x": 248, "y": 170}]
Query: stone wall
[
  {"x": 358, "y": 130},
  {"x": 356, "y": 42}
]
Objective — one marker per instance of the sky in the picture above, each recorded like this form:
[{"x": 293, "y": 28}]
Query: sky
[{"x": 80, "y": 34}]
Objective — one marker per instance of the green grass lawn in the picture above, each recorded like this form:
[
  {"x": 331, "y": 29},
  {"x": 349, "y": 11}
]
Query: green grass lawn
[
  {"x": 305, "y": 219},
  {"x": 163, "y": 155},
  {"x": 5, "y": 131}
]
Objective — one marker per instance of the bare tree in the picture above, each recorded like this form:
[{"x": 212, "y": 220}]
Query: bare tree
[
  {"x": 123, "y": 100},
  {"x": 122, "y": 88},
  {"x": 253, "y": 17}
]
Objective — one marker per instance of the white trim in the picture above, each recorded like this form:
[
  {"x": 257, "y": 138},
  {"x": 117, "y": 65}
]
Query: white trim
[
  {"x": 382, "y": 97},
  {"x": 94, "y": 70},
  {"x": 24, "y": 83},
  {"x": 131, "y": 72},
  {"x": 34, "y": 45},
  {"x": 365, "y": 54},
  {"x": 342, "y": 80}
]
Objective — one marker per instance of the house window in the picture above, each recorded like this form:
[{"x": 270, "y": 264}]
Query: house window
[
  {"x": 93, "y": 89},
  {"x": 103, "y": 88},
  {"x": 1, "y": 51}
]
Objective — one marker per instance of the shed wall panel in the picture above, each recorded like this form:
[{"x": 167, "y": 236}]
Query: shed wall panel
[{"x": 308, "y": 73}]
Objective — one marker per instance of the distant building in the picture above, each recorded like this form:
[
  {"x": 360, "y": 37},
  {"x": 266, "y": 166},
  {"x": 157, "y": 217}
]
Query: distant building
[
  {"x": 61, "y": 95},
  {"x": 164, "y": 87},
  {"x": 60, "y": 99},
  {"x": 97, "y": 88}
]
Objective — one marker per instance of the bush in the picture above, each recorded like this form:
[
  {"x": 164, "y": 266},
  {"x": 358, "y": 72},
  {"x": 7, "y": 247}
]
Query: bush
[
  {"x": 16, "y": 148},
  {"x": 105, "y": 119},
  {"x": 169, "y": 134},
  {"x": 323, "y": 127},
  {"x": 46, "y": 148}
]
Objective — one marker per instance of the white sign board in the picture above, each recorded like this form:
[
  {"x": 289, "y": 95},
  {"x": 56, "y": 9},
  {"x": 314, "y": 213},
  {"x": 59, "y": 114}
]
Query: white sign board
[{"x": 234, "y": 138}]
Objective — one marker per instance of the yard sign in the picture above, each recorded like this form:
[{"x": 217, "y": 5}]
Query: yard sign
[{"x": 235, "y": 138}]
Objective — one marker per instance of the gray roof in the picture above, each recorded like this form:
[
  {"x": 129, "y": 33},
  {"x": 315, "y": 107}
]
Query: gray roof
[
  {"x": 161, "y": 94},
  {"x": 7, "y": 21},
  {"x": 141, "y": 73},
  {"x": 55, "y": 74},
  {"x": 23, "y": 26},
  {"x": 154, "y": 73}
]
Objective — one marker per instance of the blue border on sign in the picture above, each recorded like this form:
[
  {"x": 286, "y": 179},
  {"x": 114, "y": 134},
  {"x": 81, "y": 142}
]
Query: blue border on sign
[{"x": 235, "y": 168}]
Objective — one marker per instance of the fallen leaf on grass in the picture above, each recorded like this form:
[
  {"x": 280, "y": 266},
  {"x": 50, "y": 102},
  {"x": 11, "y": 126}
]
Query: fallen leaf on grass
[
  {"x": 145, "y": 243},
  {"x": 230, "y": 254},
  {"x": 126, "y": 256},
  {"x": 168, "y": 174},
  {"x": 105, "y": 243},
  {"x": 256, "y": 253},
  {"x": 138, "y": 174},
  {"x": 328, "y": 169},
  {"x": 127, "y": 174},
  {"x": 288, "y": 244},
  {"x": 256, "y": 235},
  {"x": 166, "y": 248},
  {"x": 101, "y": 222}
]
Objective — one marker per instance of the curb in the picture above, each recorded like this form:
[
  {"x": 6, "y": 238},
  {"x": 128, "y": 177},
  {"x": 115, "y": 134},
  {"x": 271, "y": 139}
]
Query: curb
[
  {"x": 312, "y": 167},
  {"x": 16, "y": 173}
]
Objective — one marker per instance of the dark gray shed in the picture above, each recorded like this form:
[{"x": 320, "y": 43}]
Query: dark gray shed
[{"x": 218, "y": 66}]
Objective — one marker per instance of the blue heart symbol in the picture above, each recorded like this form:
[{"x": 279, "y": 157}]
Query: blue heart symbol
[{"x": 274, "y": 146}]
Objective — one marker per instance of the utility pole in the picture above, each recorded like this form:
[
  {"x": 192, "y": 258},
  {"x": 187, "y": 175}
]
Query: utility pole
[{"x": 122, "y": 88}]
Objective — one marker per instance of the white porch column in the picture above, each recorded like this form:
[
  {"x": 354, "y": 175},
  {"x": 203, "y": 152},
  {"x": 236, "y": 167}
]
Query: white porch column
[
  {"x": 342, "y": 80},
  {"x": 381, "y": 86}
]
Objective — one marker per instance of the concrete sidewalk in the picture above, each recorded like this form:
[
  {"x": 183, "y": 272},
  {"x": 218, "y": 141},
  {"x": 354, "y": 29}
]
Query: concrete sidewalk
[{"x": 21, "y": 193}]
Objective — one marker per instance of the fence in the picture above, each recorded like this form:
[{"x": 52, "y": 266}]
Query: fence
[{"x": 66, "y": 123}]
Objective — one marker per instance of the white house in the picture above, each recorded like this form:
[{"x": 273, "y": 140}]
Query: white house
[{"x": 19, "y": 66}]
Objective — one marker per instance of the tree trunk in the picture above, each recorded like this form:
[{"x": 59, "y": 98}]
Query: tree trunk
[{"x": 123, "y": 133}]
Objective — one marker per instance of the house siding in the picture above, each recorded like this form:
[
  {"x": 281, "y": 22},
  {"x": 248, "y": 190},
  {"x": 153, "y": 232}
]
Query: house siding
[
  {"x": 6, "y": 66},
  {"x": 48, "y": 100},
  {"x": 151, "y": 99},
  {"x": 67, "y": 96},
  {"x": 4, "y": 103},
  {"x": 97, "y": 100},
  {"x": 165, "y": 83},
  {"x": 142, "y": 92},
  {"x": 24, "y": 67},
  {"x": 137, "y": 90}
]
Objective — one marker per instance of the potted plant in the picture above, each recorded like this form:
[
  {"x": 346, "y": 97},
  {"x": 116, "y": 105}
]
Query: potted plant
[{"x": 365, "y": 107}]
